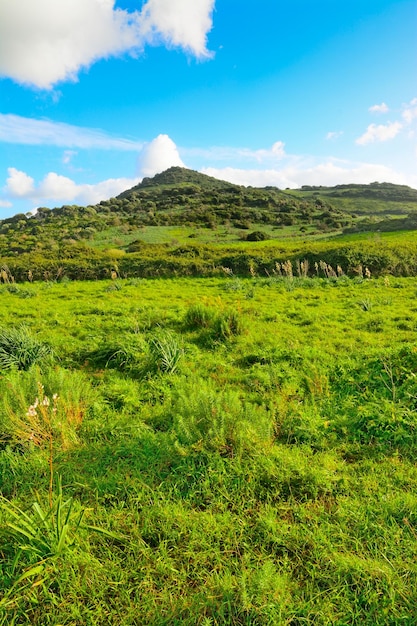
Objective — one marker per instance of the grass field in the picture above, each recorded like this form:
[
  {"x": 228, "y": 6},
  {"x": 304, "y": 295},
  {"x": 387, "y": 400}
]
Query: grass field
[{"x": 218, "y": 451}]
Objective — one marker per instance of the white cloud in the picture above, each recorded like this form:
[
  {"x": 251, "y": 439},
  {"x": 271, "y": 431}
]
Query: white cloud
[
  {"x": 293, "y": 176},
  {"x": 57, "y": 188},
  {"x": 410, "y": 111},
  {"x": 44, "y": 42},
  {"x": 19, "y": 184},
  {"x": 159, "y": 155},
  {"x": 28, "y": 131},
  {"x": 5, "y": 204},
  {"x": 384, "y": 132},
  {"x": 276, "y": 152},
  {"x": 183, "y": 23},
  {"x": 381, "y": 132},
  {"x": 379, "y": 108}
]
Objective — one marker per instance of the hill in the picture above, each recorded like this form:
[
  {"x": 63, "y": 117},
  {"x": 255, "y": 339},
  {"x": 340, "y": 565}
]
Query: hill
[
  {"x": 185, "y": 198},
  {"x": 177, "y": 197},
  {"x": 182, "y": 214}
]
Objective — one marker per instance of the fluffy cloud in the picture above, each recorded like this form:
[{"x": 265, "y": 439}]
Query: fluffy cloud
[
  {"x": 19, "y": 184},
  {"x": 182, "y": 23},
  {"x": 381, "y": 132},
  {"x": 57, "y": 188},
  {"x": 159, "y": 155},
  {"x": 379, "y": 108},
  {"x": 384, "y": 132},
  {"x": 44, "y": 42}
]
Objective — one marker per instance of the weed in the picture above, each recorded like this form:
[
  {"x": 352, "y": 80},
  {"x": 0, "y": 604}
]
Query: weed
[
  {"x": 366, "y": 304},
  {"x": 48, "y": 531},
  {"x": 165, "y": 352},
  {"x": 116, "y": 285}
]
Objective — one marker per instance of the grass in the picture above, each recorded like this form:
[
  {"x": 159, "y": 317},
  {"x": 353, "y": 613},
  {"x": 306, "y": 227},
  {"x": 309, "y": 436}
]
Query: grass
[
  {"x": 20, "y": 350},
  {"x": 246, "y": 447}
]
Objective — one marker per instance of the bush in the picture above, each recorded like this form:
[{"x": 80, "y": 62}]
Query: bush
[{"x": 257, "y": 235}]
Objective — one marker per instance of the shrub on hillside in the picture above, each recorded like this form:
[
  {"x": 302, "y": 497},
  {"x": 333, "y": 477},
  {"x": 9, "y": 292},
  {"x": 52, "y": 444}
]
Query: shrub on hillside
[{"x": 256, "y": 235}]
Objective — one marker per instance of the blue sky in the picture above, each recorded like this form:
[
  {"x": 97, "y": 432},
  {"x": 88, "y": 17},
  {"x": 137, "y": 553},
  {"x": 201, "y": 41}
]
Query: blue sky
[{"x": 96, "y": 94}]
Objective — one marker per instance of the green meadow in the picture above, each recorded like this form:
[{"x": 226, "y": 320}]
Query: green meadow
[{"x": 209, "y": 451}]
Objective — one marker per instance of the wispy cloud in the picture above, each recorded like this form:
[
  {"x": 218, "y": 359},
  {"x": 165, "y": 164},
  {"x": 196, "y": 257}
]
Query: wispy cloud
[
  {"x": 28, "y": 131},
  {"x": 68, "y": 156},
  {"x": 380, "y": 132},
  {"x": 379, "y": 108},
  {"x": 44, "y": 42},
  {"x": 334, "y": 134},
  {"x": 227, "y": 153},
  {"x": 410, "y": 111}
]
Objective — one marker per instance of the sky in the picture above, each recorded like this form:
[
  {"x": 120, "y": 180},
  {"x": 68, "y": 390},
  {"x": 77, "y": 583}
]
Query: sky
[{"x": 97, "y": 94}]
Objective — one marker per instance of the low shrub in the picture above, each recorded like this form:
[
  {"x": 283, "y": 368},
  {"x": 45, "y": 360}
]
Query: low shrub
[{"x": 204, "y": 417}]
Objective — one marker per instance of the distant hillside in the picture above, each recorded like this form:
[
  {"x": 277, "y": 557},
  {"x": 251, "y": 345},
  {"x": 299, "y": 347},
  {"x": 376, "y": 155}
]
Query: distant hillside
[{"x": 385, "y": 192}]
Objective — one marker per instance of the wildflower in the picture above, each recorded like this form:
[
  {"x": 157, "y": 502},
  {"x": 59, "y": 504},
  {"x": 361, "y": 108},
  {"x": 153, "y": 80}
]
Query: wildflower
[{"x": 31, "y": 411}]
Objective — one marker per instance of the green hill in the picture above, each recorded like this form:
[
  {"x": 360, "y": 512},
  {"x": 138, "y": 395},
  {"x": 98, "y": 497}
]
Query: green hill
[{"x": 179, "y": 215}]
